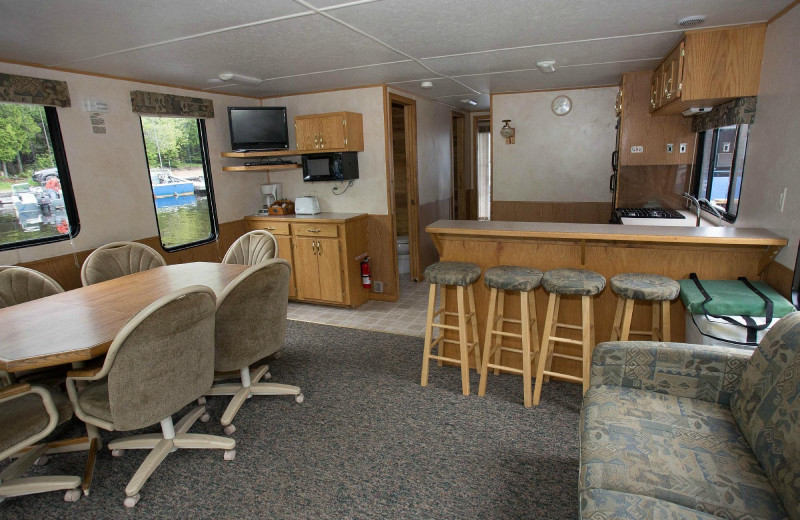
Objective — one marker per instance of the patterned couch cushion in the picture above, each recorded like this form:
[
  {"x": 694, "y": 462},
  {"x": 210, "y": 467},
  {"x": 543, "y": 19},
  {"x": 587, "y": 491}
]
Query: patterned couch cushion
[
  {"x": 602, "y": 504},
  {"x": 767, "y": 408},
  {"x": 681, "y": 450}
]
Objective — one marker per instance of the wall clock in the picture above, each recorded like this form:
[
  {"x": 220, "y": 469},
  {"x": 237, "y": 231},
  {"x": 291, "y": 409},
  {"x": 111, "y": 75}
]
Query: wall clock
[{"x": 561, "y": 105}]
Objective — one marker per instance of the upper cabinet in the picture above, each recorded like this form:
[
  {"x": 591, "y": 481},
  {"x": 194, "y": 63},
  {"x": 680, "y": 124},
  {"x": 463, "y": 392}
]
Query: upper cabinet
[
  {"x": 334, "y": 132},
  {"x": 708, "y": 67}
]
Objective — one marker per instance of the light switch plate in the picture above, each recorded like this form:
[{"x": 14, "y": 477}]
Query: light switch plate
[
  {"x": 669, "y": 147},
  {"x": 637, "y": 149},
  {"x": 682, "y": 148}
]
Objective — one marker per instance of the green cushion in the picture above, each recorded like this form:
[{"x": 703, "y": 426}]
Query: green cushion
[
  {"x": 645, "y": 286},
  {"x": 573, "y": 281},
  {"x": 452, "y": 273},
  {"x": 513, "y": 278},
  {"x": 733, "y": 298}
]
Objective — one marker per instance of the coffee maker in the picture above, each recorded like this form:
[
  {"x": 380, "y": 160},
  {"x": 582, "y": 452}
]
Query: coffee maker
[{"x": 269, "y": 194}]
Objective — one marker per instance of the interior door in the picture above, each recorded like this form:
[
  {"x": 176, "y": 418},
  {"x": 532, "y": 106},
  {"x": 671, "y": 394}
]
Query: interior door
[
  {"x": 331, "y": 129},
  {"x": 306, "y": 268},
  {"x": 330, "y": 270},
  {"x": 285, "y": 252},
  {"x": 306, "y": 132}
]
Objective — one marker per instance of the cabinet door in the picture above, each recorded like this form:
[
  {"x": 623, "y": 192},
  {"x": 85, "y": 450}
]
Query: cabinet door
[
  {"x": 655, "y": 90},
  {"x": 285, "y": 252},
  {"x": 306, "y": 131},
  {"x": 674, "y": 74},
  {"x": 330, "y": 270},
  {"x": 306, "y": 271},
  {"x": 332, "y": 132}
]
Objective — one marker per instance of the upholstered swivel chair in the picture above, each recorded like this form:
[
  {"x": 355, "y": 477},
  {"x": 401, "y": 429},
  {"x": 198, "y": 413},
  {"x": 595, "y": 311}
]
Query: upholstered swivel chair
[
  {"x": 252, "y": 248},
  {"x": 162, "y": 360},
  {"x": 29, "y": 414},
  {"x": 251, "y": 325},
  {"x": 118, "y": 259}
]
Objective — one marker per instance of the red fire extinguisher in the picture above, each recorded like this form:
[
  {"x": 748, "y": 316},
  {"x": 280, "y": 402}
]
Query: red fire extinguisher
[{"x": 366, "y": 277}]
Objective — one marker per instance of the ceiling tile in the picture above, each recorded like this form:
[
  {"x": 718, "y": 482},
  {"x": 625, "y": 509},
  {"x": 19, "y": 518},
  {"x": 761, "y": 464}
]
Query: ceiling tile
[
  {"x": 455, "y": 102},
  {"x": 441, "y": 87}
]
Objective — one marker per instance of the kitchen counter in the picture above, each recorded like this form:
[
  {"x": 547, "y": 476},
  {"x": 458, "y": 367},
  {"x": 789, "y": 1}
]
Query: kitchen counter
[
  {"x": 327, "y": 216},
  {"x": 609, "y": 249}
]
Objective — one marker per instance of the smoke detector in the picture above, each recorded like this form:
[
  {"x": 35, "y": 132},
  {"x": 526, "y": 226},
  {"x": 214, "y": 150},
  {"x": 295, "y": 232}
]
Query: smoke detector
[
  {"x": 547, "y": 66},
  {"x": 691, "y": 21}
]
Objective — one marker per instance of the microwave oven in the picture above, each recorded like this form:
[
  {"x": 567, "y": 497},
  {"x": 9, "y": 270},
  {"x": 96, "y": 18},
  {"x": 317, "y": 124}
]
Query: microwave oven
[{"x": 335, "y": 166}]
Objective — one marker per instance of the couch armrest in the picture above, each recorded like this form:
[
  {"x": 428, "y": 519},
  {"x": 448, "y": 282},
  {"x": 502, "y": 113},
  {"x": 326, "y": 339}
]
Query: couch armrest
[{"x": 680, "y": 369}]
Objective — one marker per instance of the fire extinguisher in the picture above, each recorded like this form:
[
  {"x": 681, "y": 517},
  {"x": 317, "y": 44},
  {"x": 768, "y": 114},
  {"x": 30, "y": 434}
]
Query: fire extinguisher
[{"x": 366, "y": 277}]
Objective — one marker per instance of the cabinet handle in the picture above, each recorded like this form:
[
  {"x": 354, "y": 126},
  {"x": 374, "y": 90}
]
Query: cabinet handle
[
  {"x": 668, "y": 88},
  {"x": 310, "y": 230},
  {"x": 270, "y": 229},
  {"x": 314, "y": 247},
  {"x": 321, "y": 141},
  {"x": 319, "y": 248},
  {"x": 316, "y": 140}
]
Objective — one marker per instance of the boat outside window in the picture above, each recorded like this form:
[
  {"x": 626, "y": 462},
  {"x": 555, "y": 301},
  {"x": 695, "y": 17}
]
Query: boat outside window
[
  {"x": 177, "y": 161},
  {"x": 720, "y": 167},
  {"x": 36, "y": 201}
]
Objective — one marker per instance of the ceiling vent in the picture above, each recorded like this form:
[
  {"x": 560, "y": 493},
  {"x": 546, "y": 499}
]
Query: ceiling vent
[{"x": 691, "y": 21}]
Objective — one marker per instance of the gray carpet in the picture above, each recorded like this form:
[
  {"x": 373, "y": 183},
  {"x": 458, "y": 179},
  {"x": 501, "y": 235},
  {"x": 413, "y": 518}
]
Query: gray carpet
[{"x": 368, "y": 442}]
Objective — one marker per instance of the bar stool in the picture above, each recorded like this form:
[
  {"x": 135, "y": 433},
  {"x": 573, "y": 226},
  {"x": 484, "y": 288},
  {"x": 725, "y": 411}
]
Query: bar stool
[
  {"x": 460, "y": 274},
  {"x": 572, "y": 282},
  {"x": 655, "y": 288},
  {"x": 511, "y": 278}
]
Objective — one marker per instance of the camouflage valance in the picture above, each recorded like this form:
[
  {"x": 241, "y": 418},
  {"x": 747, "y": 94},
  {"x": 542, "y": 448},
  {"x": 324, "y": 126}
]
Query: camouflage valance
[
  {"x": 36, "y": 91},
  {"x": 156, "y": 103},
  {"x": 735, "y": 112}
]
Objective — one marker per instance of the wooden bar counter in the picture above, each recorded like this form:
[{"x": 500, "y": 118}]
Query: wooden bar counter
[{"x": 711, "y": 252}]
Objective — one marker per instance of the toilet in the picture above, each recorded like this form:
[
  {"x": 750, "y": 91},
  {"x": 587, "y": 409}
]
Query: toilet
[{"x": 402, "y": 255}]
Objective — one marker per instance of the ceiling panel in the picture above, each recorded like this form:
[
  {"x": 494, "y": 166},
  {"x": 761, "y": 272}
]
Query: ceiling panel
[
  {"x": 622, "y": 49},
  {"x": 266, "y": 51},
  {"x": 455, "y": 102},
  {"x": 424, "y": 28},
  {"x": 57, "y": 32},
  {"x": 441, "y": 87}
]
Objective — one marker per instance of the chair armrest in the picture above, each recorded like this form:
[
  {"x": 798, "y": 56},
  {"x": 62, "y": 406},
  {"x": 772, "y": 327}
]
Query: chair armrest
[
  {"x": 15, "y": 389},
  {"x": 708, "y": 373},
  {"x": 84, "y": 373}
]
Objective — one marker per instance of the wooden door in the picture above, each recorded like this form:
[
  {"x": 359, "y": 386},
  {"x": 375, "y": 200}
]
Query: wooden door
[
  {"x": 306, "y": 131},
  {"x": 306, "y": 270},
  {"x": 331, "y": 130},
  {"x": 459, "y": 204},
  {"x": 285, "y": 252},
  {"x": 330, "y": 270}
]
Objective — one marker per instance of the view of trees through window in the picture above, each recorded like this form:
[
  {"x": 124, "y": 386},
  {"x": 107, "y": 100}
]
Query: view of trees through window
[
  {"x": 721, "y": 154},
  {"x": 177, "y": 158},
  {"x": 34, "y": 206}
]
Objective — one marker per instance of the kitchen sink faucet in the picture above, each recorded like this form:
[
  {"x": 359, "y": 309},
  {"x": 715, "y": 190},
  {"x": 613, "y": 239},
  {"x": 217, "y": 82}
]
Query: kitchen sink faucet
[
  {"x": 696, "y": 202},
  {"x": 693, "y": 200}
]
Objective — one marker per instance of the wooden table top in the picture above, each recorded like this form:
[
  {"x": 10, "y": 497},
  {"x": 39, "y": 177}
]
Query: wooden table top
[{"x": 80, "y": 324}]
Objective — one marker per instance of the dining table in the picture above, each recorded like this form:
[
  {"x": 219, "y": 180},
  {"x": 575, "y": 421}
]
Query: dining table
[{"x": 77, "y": 325}]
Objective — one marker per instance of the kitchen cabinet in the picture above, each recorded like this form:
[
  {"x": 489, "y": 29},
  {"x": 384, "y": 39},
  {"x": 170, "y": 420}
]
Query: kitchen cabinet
[
  {"x": 324, "y": 251},
  {"x": 709, "y": 67},
  {"x": 334, "y": 132}
]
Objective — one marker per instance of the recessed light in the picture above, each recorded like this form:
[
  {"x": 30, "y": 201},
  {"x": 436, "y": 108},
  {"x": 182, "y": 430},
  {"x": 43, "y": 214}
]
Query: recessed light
[
  {"x": 469, "y": 102},
  {"x": 691, "y": 21},
  {"x": 426, "y": 84},
  {"x": 547, "y": 66},
  {"x": 238, "y": 78}
]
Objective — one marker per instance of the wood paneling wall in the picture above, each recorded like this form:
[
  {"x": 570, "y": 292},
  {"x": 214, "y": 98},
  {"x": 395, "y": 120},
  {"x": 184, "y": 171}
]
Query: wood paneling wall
[
  {"x": 429, "y": 213},
  {"x": 663, "y": 185},
  {"x": 380, "y": 245},
  {"x": 400, "y": 172},
  {"x": 571, "y": 212},
  {"x": 780, "y": 278}
]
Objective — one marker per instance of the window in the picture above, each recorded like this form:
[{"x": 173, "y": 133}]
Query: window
[
  {"x": 483, "y": 155},
  {"x": 177, "y": 160},
  {"x": 720, "y": 163},
  {"x": 36, "y": 201}
]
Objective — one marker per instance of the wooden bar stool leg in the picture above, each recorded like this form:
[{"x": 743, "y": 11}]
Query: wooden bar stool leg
[
  {"x": 548, "y": 366},
  {"x": 474, "y": 325},
  {"x": 655, "y": 334},
  {"x": 462, "y": 339},
  {"x": 544, "y": 348},
  {"x": 499, "y": 339},
  {"x": 533, "y": 330},
  {"x": 487, "y": 344},
  {"x": 428, "y": 333},
  {"x": 442, "y": 319},
  {"x": 665, "y": 321},
  {"x": 526, "y": 348},
  {"x": 586, "y": 333},
  {"x": 615, "y": 329},
  {"x": 626, "y": 320}
]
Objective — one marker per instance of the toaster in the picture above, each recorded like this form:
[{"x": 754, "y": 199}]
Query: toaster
[{"x": 306, "y": 205}]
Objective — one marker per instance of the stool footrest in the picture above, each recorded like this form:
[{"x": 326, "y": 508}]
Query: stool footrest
[
  {"x": 567, "y": 356},
  {"x": 506, "y": 334},
  {"x": 568, "y": 326},
  {"x": 556, "y": 339},
  {"x": 509, "y": 320},
  {"x": 442, "y": 326},
  {"x": 563, "y": 376},
  {"x": 505, "y": 369},
  {"x": 641, "y": 333},
  {"x": 456, "y": 342},
  {"x": 444, "y": 358}
]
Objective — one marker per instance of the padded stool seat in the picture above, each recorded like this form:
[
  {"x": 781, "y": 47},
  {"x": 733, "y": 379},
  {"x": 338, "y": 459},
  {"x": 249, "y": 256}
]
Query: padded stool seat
[
  {"x": 642, "y": 286},
  {"x": 577, "y": 282},
  {"x": 460, "y": 274},
  {"x": 513, "y": 278}
]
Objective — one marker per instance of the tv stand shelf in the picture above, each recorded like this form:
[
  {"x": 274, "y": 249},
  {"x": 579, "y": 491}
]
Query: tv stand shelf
[{"x": 260, "y": 167}]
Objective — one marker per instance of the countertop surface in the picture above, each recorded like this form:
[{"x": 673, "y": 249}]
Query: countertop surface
[
  {"x": 608, "y": 232},
  {"x": 319, "y": 217}
]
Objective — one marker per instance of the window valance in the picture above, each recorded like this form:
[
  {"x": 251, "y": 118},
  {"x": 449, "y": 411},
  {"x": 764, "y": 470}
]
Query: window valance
[
  {"x": 36, "y": 91},
  {"x": 735, "y": 112},
  {"x": 156, "y": 103}
]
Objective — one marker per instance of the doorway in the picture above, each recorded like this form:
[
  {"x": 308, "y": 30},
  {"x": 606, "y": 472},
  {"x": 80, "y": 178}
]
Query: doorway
[
  {"x": 403, "y": 184},
  {"x": 459, "y": 203},
  {"x": 482, "y": 165}
]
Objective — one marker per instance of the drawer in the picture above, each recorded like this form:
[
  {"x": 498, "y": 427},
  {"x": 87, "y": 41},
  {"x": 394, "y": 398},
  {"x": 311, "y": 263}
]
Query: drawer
[
  {"x": 315, "y": 229},
  {"x": 276, "y": 228}
]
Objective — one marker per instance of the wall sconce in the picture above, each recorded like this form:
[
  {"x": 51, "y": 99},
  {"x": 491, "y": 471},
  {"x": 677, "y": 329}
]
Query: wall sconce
[{"x": 507, "y": 132}]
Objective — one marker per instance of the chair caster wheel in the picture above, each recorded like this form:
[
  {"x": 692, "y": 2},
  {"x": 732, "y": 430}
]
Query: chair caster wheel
[
  {"x": 229, "y": 454},
  {"x": 201, "y": 400},
  {"x": 205, "y": 417},
  {"x": 41, "y": 461},
  {"x": 299, "y": 398},
  {"x": 267, "y": 376},
  {"x": 229, "y": 431},
  {"x": 72, "y": 495},
  {"x": 117, "y": 453},
  {"x": 131, "y": 501}
]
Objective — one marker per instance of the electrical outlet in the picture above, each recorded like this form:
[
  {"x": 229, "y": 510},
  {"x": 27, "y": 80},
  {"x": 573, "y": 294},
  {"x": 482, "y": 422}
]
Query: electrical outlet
[
  {"x": 682, "y": 148},
  {"x": 669, "y": 147},
  {"x": 781, "y": 200},
  {"x": 377, "y": 287},
  {"x": 637, "y": 149}
]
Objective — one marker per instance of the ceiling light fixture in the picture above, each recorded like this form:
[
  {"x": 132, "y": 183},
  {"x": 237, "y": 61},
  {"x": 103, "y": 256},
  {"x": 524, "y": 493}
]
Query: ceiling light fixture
[
  {"x": 426, "y": 84},
  {"x": 469, "y": 102},
  {"x": 547, "y": 66},
  {"x": 228, "y": 76},
  {"x": 691, "y": 21}
]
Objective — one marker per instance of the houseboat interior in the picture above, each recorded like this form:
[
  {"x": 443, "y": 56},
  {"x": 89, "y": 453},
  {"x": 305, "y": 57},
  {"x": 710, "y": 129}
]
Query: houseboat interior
[{"x": 400, "y": 259}]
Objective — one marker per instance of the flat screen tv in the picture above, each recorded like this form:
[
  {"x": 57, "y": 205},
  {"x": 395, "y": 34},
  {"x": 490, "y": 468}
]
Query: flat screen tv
[{"x": 258, "y": 128}]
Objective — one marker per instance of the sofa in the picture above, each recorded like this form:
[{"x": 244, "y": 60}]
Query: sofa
[{"x": 679, "y": 431}]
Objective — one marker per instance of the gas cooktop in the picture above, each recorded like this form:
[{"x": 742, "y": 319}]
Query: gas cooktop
[{"x": 647, "y": 213}]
